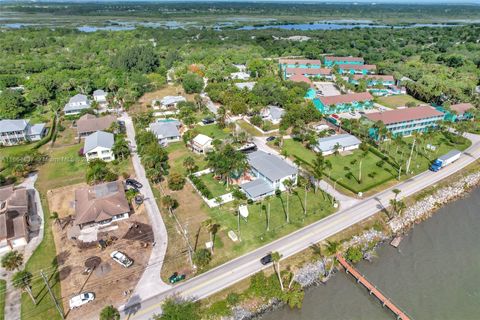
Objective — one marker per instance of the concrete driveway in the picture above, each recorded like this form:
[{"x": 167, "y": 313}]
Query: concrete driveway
[{"x": 150, "y": 284}]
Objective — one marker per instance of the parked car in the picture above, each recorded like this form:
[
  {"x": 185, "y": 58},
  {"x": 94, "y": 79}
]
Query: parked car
[
  {"x": 175, "y": 277},
  {"x": 266, "y": 260},
  {"x": 121, "y": 258},
  {"x": 133, "y": 183},
  {"x": 271, "y": 138},
  {"x": 208, "y": 120},
  {"x": 81, "y": 299}
]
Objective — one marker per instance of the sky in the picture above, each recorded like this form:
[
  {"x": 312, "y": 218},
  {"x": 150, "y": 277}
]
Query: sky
[{"x": 288, "y": 1}]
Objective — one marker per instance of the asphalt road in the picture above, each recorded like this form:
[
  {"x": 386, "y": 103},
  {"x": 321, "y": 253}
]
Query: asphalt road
[{"x": 233, "y": 271}]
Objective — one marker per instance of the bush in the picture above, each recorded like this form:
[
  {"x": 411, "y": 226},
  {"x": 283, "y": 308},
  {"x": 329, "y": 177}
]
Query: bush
[
  {"x": 176, "y": 181},
  {"x": 354, "y": 254},
  {"x": 192, "y": 83},
  {"x": 201, "y": 187},
  {"x": 202, "y": 258}
]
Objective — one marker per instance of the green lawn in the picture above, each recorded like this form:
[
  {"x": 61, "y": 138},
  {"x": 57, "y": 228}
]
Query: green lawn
[
  {"x": 396, "y": 100},
  {"x": 253, "y": 231},
  {"x": 177, "y": 152},
  {"x": 342, "y": 165},
  {"x": 422, "y": 156},
  {"x": 217, "y": 188},
  {"x": 3, "y": 287},
  {"x": 248, "y": 128},
  {"x": 213, "y": 131}
]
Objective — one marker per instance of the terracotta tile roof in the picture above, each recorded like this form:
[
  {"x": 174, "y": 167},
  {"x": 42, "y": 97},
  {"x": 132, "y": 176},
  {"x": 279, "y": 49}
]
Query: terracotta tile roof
[
  {"x": 300, "y": 78},
  {"x": 346, "y": 98},
  {"x": 316, "y": 71},
  {"x": 299, "y": 61},
  {"x": 100, "y": 202},
  {"x": 374, "y": 77},
  {"x": 461, "y": 108},
  {"x": 353, "y": 59},
  {"x": 358, "y": 66},
  {"x": 402, "y": 115},
  {"x": 90, "y": 123}
]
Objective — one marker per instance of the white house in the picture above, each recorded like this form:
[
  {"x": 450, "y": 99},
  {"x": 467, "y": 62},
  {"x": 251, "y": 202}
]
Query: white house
[
  {"x": 77, "y": 104},
  {"x": 13, "y": 132},
  {"x": 100, "y": 96},
  {"x": 245, "y": 85},
  {"x": 166, "y": 131},
  {"x": 273, "y": 114},
  {"x": 270, "y": 173},
  {"x": 168, "y": 102},
  {"x": 239, "y": 76},
  {"x": 99, "y": 145},
  {"x": 342, "y": 142},
  {"x": 201, "y": 143}
]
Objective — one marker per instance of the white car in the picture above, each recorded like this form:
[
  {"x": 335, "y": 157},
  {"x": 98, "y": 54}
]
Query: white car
[
  {"x": 121, "y": 258},
  {"x": 81, "y": 299}
]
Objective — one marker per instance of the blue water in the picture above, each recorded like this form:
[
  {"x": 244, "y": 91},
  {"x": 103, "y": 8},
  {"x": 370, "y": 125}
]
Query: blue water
[
  {"x": 336, "y": 26},
  {"x": 107, "y": 28}
]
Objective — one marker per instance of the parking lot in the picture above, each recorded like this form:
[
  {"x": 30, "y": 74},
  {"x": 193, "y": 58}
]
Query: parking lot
[{"x": 327, "y": 88}]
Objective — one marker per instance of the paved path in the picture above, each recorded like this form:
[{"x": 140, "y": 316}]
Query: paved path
[
  {"x": 235, "y": 270},
  {"x": 150, "y": 284},
  {"x": 13, "y": 296}
]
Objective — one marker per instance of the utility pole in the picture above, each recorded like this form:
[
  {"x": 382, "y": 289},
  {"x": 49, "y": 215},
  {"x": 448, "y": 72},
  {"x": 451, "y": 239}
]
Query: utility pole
[
  {"x": 305, "y": 206},
  {"x": 60, "y": 310},
  {"x": 268, "y": 216}
]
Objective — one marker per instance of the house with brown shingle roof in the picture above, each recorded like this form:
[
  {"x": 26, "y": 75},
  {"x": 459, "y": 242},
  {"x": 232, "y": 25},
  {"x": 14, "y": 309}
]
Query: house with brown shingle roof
[
  {"x": 14, "y": 209},
  {"x": 308, "y": 72},
  {"x": 101, "y": 204},
  {"x": 373, "y": 79},
  {"x": 356, "y": 68},
  {"x": 300, "y": 78},
  {"x": 404, "y": 122},
  {"x": 88, "y": 124}
]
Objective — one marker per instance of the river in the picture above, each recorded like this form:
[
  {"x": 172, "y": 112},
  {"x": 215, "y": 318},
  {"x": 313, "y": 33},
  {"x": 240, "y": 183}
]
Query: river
[{"x": 434, "y": 274}]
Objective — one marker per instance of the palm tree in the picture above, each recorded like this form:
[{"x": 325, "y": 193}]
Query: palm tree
[
  {"x": 23, "y": 280},
  {"x": 336, "y": 149},
  {"x": 276, "y": 257},
  {"x": 189, "y": 164},
  {"x": 120, "y": 148},
  {"x": 288, "y": 184},
  {"x": 333, "y": 247},
  {"x": 12, "y": 260},
  {"x": 318, "y": 166},
  {"x": 109, "y": 313}
]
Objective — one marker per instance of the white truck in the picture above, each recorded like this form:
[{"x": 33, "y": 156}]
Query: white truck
[{"x": 445, "y": 160}]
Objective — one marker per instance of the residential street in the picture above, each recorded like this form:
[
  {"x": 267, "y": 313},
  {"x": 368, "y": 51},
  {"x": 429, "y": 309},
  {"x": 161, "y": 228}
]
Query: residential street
[
  {"x": 150, "y": 283},
  {"x": 233, "y": 271}
]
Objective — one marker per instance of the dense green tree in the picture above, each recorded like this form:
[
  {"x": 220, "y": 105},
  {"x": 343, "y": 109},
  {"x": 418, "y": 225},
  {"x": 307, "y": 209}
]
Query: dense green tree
[
  {"x": 192, "y": 83},
  {"x": 109, "y": 313},
  {"x": 178, "y": 309},
  {"x": 12, "y": 260},
  {"x": 12, "y": 104}
]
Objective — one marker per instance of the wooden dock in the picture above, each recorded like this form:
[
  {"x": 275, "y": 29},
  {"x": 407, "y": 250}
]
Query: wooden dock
[{"x": 372, "y": 289}]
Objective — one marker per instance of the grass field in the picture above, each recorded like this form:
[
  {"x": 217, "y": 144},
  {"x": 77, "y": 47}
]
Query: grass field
[
  {"x": 177, "y": 153},
  {"x": 3, "y": 287},
  {"x": 213, "y": 131},
  {"x": 422, "y": 156},
  {"x": 346, "y": 168},
  {"x": 248, "y": 128},
  {"x": 396, "y": 101},
  {"x": 217, "y": 188}
]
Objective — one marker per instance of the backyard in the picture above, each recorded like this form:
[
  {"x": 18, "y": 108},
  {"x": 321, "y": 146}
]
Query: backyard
[
  {"x": 346, "y": 167},
  {"x": 177, "y": 153},
  {"x": 213, "y": 131},
  {"x": 216, "y": 187},
  {"x": 248, "y": 128},
  {"x": 396, "y": 101}
]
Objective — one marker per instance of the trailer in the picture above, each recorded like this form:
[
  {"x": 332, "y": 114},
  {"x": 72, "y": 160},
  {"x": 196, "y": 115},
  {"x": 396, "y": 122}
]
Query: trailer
[{"x": 445, "y": 160}]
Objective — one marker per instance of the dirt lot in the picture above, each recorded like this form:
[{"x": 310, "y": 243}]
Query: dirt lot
[
  {"x": 168, "y": 90},
  {"x": 109, "y": 280}
]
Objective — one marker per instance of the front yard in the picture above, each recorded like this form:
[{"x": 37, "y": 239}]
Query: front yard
[{"x": 346, "y": 167}]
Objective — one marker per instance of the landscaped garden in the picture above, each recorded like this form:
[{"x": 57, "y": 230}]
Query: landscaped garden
[{"x": 396, "y": 101}]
